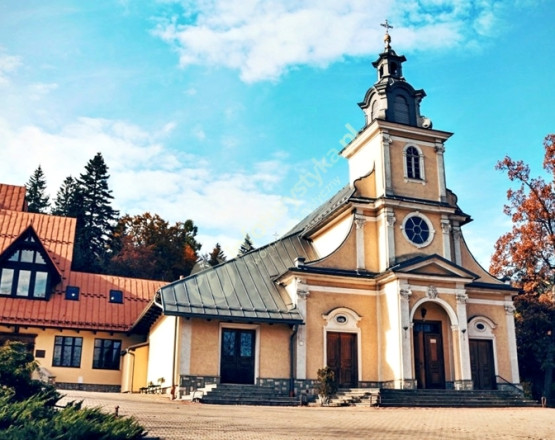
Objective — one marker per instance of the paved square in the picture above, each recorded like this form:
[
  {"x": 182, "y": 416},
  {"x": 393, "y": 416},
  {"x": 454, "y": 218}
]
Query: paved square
[{"x": 165, "y": 419}]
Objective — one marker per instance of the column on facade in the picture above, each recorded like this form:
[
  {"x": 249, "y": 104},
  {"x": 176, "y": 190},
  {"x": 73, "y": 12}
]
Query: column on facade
[
  {"x": 302, "y": 293},
  {"x": 465, "y": 378},
  {"x": 511, "y": 340},
  {"x": 407, "y": 381}
]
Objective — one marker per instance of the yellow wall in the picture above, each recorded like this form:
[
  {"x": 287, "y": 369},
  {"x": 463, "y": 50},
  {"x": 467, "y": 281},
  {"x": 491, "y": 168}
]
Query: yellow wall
[{"x": 85, "y": 374}]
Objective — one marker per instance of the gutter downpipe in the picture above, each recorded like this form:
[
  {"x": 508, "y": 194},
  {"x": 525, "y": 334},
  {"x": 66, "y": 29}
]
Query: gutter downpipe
[
  {"x": 130, "y": 351},
  {"x": 292, "y": 361}
]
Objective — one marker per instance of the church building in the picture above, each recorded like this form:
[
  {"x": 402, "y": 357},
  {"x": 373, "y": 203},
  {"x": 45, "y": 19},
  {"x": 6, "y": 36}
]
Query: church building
[{"x": 378, "y": 283}]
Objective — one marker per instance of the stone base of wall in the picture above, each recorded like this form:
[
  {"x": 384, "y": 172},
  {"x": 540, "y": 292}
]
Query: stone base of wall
[
  {"x": 88, "y": 387},
  {"x": 189, "y": 384}
]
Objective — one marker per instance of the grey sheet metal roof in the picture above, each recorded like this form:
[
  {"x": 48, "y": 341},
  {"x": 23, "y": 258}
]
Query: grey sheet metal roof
[{"x": 241, "y": 289}]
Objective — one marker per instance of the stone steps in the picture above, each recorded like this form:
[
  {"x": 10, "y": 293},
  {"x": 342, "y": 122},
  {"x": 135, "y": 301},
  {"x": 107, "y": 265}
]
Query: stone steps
[
  {"x": 453, "y": 398},
  {"x": 232, "y": 394}
]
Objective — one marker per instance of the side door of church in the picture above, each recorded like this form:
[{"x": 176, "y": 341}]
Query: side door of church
[
  {"x": 342, "y": 358},
  {"x": 481, "y": 364},
  {"x": 237, "y": 356}
]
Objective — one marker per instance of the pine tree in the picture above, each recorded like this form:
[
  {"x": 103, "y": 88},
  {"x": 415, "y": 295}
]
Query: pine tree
[
  {"x": 217, "y": 256},
  {"x": 96, "y": 221},
  {"x": 37, "y": 199},
  {"x": 68, "y": 199},
  {"x": 247, "y": 246}
]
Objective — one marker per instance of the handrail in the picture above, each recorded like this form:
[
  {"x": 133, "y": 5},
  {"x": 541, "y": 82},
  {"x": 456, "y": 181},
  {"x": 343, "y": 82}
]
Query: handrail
[{"x": 505, "y": 381}]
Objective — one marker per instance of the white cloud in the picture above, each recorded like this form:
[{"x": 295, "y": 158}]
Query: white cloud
[
  {"x": 263, "y": 39},
  {"x": 145, "y": 175},
  {"x": 38, "y": 90}
]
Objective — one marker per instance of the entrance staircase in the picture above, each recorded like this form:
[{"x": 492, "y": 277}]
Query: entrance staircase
[
  {"x": 234, "y": 394},
  {"x": 453, "y": 398},
  {"x": 356, "y": 397}
]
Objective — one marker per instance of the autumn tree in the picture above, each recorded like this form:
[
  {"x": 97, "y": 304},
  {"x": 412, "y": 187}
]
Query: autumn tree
[
  {"x": 147, "y": 246},
  {"x": 526, "y": 256},
  {"x": 37, "y": 199},
  {"x": 217, "y": 256},
  {"x": 246, "y": 246}
]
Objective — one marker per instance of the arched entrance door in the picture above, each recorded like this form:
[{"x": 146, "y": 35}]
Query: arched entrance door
[{"x": 428, "y": 354}]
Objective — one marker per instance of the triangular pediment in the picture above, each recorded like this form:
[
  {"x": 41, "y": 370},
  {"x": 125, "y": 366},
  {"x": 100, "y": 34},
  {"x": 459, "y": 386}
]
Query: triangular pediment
[{"x": 433, "y": 265}]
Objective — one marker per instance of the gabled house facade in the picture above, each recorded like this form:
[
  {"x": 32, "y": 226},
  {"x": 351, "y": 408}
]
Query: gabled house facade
[
  {"x": 76, "y": 324},
  {"x": 378, "y": 283}
]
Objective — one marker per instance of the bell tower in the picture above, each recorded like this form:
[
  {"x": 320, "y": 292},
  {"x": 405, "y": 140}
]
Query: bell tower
[{"x": 391, "y": 98}]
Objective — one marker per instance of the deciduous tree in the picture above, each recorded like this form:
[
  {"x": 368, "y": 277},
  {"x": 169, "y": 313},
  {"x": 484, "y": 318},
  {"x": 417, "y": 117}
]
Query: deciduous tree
[
  {"x": 526, "y": 255},
  {"x": 146, "y": 246}
]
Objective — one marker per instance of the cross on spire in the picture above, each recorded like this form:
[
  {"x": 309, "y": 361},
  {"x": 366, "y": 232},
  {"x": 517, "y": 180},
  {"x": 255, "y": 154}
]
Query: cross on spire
[{"x": 387, "y": 37}]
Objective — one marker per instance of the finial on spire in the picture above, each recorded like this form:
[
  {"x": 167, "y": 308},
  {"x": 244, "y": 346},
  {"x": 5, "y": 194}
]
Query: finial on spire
[{"x": 387, "y": 37}]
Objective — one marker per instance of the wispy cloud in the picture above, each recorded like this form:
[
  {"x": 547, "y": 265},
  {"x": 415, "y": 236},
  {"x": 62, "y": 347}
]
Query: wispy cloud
[
  {"x": 8, "y": 65},
  {"x": 264, "y": 39}
]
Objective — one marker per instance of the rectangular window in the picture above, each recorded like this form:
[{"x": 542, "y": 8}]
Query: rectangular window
[
  {"x": 67, "y": 351},
  {"x": 107, "y": 354},
  {"x": 23, "y": 282},
  {"x": 41, "y": 282},
  {"x": 6, "y": 281}
]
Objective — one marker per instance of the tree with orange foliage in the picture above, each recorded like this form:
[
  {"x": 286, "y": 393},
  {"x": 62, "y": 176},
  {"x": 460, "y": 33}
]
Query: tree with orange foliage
[
  {"x": 146, "y": 246},
  {"x": 526, "y": 256}
]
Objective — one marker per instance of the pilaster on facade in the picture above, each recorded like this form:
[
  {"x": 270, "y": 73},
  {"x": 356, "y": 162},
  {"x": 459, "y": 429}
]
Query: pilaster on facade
[
  {"x": 360, "y": 221},
  {"x": 457, "y": 235},
  {"x": 302, "y": 293},
  {"x": 389, "y": 254},
  {"x": 405, "y": 293},
  {"x": 446, "y": 236},
  {"x": 442, "y": 187},
  {"x": 513, "y": 356},
  {"x": 186, "y": 333},
  {"x": 386, "y": 143},
  {"x": 464, "y": 348}
]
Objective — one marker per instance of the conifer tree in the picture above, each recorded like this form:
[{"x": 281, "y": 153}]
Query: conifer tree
[
  {"x": 37, "y": 199},
  {"x": 217, "y": 256},
  {"x": 96, "y": 221},
  {"x": 68, "y": 199},
  {"x": 247, "y": 246}
]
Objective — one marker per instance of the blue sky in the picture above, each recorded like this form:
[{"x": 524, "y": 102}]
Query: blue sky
[{"x": 214, "y": 110}]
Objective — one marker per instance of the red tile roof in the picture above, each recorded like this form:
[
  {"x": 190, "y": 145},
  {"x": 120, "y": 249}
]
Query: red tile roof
[
  {"x": 12, "y": 197},
  {"x": 93, "y": 309}
]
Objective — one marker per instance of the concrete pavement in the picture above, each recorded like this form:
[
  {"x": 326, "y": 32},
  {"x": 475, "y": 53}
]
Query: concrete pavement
[{"x": 167, "y": 419}]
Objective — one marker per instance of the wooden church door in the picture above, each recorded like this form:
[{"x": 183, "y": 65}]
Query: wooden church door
[
  {"x": 428, "y": 355},
  {"x": 481, "y": 364},
  {"x": 237, "y": 356},
  {"x": 342, "y": 358}
]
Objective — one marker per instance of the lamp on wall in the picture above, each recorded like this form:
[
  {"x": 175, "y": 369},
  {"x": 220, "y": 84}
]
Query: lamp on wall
[
  {"x": 405, "y": 328},
  {"x": 423, "y": 312}
]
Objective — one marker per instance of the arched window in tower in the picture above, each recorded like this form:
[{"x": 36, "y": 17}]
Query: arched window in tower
[
  {"x": 414, "y": 163},
  {"x": 401, "y": 110},
  {"x": 373, "y": 111}
]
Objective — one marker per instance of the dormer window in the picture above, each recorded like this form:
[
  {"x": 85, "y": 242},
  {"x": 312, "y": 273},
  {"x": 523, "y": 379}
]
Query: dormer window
[{"x": 24, "y": 270}]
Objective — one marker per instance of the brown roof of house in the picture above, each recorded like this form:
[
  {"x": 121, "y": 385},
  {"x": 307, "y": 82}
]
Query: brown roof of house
[
  {"x": 56, "y": 234},
  {"x": 12, "y": 197},
  {"x": 92, "y": 310}
]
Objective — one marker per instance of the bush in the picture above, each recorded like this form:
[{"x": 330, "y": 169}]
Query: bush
[
  {"x": 28, "y": 411},
  {"x": 327, "y": 386}
]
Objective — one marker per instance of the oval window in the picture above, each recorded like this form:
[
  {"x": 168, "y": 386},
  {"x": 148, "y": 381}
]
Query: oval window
[{"x": 341, "y": 319}]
